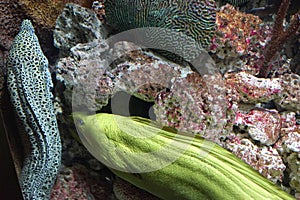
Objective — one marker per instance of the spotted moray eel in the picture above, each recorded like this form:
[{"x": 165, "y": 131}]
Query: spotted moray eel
[{"x": 29, "y": 83}]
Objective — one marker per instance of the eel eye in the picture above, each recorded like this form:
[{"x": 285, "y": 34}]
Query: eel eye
[{"x": 80, "y": 122}]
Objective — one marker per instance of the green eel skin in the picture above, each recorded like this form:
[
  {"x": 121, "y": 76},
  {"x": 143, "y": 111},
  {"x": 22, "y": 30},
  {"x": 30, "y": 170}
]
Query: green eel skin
[
  {"x": 200, "y": 170},
  {"x": 29, "y": 83}
]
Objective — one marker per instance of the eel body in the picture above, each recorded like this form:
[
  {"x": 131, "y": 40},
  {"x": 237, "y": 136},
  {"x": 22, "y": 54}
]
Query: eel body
[
  {"x": 29, "y": 83},
  {"x": 168, "y": 165}
]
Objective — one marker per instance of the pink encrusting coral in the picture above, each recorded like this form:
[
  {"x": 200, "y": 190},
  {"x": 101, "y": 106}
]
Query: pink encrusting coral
[
  {"x": 266, "y": 160},
  {"x": 143, "y": 74},
  {"x": 289, "y": 148},
  {"x": 290, "y": 96},
  {"x": 262, "y": 125},
  {"x": 195, "y": 104},
  {"x": 236, "y": 29},
  {"x": 78, "y": 182},
  {"x": 252, "y": 89},
  {"x": 240, "y": 40}
]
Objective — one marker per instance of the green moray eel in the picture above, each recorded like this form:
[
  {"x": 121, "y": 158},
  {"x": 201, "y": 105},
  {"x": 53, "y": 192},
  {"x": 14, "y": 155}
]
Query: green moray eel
[
  {"x": 29, "y": 83},
  {"x": 193, "y": 19},
  {"x": 200, "y": 170}
]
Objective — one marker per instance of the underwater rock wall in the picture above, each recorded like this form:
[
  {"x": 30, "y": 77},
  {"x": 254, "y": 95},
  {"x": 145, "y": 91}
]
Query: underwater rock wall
[
  {"x": 251, "y": 103},
  {"x": 259, "y": 123}
]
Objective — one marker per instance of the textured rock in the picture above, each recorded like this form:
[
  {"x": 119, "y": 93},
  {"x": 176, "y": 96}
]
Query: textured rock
[
  {"x": 290, "y": 96},
  {"x": 194, "y": 104},
  {"x": 265, "y": 160},
  {"x": 289, "y": 148},
  {"x": 11, "y": 16},
  {"x": 76, "y": 25},
  {"x": 239, "y": 41},
  {"x": 252, "y": 89},
  {"x": 262, "y": 125},
  {"x": 78, "y": 34},
  {"x": 45, "y": 12},
  {"x": 294, "y": 163},
  {"x": 79, "y": 182},
  {"x": 144, "y": 75}
]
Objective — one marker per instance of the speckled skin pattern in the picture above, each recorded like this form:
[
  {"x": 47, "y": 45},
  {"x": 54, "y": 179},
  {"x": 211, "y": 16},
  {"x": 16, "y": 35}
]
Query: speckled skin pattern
[
  {"x": 193, "y": 18},
  {"x": 29, "y": 83}
]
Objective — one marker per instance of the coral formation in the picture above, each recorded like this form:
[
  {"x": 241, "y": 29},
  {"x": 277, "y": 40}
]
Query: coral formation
[
  {"x": 81, "y": 39},
  {"x": 183, "y": 99},
  {"x": 11, "y": 17},
  {"x": 98, "y": 7},
  {"x": 252, "y": 89},
  {"x": 290, "y": 95},
  {"x": 279, "y": 36},
  {"x": 144, "y": 75},
  {"x": 29, "y": 83},
  {"x": 289, "y": 148},
  {"x": 45, "y": 12},
  {"x": 79, "y": 182},
  {"x": 261, "y": 124},
  {"x": 266, "y": 160},
  {"x": 236, "y": 29},
  {"x": 239, "y": 41},
  {"x": 190, "y": 106},
  {"x": 193, "y": 20},
  {"x": 76, "y": 25}
]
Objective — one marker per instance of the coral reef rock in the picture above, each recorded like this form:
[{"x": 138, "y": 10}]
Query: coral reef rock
[
  {"x": 290, "y": 96},
  {"x": 262, "y": 125},
  {"x": 76, "y": 25},
  {"x": 79, "y": 182},
  {"x": 252, "y": 89},
  {"x": 45, "y": 12},
  {"x": 80, "y": 38},
  {"x": 266, "y": 160},
  {"x": 192, "y": 106},
  {"x": 12, "y": 14}
]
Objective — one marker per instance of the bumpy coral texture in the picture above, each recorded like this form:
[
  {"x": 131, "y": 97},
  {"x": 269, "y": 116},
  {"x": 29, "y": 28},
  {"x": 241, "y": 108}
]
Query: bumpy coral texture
[
  {"x": 11, "y": 15},
  {"x": 290, "y": 97},
  {"x": 45, "y": 12},
  {"x": 29, "y": 84},
  {"x": 194, "y": 104},
  {"x": 80, "y": 182},
  {"x": 262, "y": 125},
  {"x": 195, "y": 20}
]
